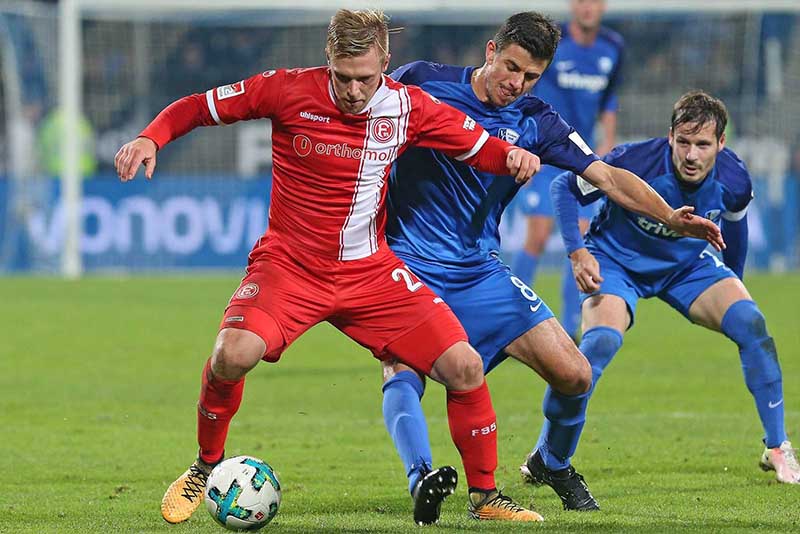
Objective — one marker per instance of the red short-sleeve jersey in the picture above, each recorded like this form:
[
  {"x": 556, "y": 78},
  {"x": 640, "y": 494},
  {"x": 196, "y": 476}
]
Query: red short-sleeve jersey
[{"x": 330, "y": 168}]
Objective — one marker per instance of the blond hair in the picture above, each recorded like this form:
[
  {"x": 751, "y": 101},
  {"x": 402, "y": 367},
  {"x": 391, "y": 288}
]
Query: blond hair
[{"x": 353, "y": 33}]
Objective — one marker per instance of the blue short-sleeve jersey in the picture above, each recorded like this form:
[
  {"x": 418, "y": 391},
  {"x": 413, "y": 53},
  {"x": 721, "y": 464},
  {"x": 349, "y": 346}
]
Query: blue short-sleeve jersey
[
  {"x": 444, "y": 210},
  {"x": 648, "y": 247},
  {"x": 581, "y": 81}
]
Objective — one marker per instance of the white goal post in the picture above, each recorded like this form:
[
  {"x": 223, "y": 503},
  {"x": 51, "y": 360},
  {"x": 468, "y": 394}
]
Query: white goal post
[{"x": 72, "y": 12}]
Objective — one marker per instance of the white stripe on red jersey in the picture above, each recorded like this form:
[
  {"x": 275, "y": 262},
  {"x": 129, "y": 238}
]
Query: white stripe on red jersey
[
  {"x": 385, "y": 134},
  {"x": 212, "y": 108},
  {"x": 329, "y": 167}
]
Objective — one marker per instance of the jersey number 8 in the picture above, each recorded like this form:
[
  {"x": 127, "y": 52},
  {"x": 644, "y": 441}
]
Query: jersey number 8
[{"x": 527, "y": 292}]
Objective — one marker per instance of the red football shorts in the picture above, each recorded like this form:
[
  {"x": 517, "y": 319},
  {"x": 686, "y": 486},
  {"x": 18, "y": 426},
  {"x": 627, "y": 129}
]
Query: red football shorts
[{"x": 375, "y": 301}]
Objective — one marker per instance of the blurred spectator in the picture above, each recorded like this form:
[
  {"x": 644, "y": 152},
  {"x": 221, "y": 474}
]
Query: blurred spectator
[
  {"x": 51, "y": 137},
  {"x": 186, "y": 68}
]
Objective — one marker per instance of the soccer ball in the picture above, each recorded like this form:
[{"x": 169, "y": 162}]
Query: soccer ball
[{"x": 243, "y": 493}]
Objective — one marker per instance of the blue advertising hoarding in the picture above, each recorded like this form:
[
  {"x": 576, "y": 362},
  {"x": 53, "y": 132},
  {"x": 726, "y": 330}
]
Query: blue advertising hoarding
[{"x": 168, "y": 223}]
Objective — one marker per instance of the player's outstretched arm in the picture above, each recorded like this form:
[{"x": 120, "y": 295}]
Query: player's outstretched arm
[
  {"x": 634, "y": 194},
  {"x": 177, "y": 119},
  {"x": 442, "y": 127},
  {"x": 132, "y": 155}
]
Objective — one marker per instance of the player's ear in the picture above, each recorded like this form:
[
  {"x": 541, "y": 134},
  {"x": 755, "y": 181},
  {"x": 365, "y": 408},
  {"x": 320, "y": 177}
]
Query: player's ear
[
  {"x": 491, "y": 48},
  {"x": 386, "y": 62},
  {"x": 721, "y": 142},
  {"x": 670, "y": 136}
]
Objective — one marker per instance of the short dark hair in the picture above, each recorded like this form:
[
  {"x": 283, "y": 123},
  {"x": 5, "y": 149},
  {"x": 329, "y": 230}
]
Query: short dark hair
[
  {"x": 700, "y": 108},
  {"x": 534, "y": 32}
]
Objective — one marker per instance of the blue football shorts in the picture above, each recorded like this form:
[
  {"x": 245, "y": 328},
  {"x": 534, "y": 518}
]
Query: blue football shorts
[
  {"x": 534, "y": 197},
  {"x": 494, "y": 306},
  {"x": 678, "y": 289}
]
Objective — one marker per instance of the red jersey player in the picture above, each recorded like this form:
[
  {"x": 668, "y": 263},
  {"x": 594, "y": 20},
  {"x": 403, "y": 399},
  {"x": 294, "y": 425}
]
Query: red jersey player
[{"x": 336, "y": 131}]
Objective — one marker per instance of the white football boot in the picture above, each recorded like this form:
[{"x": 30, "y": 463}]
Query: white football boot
[{"x": 782, "y": 460}]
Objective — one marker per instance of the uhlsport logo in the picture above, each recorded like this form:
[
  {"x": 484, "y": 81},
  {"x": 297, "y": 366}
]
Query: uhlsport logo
[
  {"x": 383, "y": 129},
  {"x": 247, "y": 291},
  {"x": 712, "y": 215},
  {"x": 313, "y": 117}
]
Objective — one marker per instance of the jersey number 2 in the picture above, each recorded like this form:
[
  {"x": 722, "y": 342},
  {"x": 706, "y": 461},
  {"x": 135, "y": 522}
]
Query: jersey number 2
[{"x": 403, "y": 274}]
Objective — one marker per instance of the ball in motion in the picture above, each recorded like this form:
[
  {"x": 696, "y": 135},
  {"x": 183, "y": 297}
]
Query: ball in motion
[{"x": 243, "y": 493}]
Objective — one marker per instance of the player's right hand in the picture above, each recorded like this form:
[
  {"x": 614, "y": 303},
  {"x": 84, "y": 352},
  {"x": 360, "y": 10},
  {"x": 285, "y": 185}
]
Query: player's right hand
[
  {"x": 586, "y": 270},
  {"x": 522, "y": 164},
  {"x": 683, "y": 221},
  {"x": 132, "y": 155}
]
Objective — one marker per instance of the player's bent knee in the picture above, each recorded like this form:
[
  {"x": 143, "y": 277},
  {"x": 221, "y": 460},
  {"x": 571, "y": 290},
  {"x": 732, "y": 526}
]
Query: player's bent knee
[
  {"x": 459, "y": 368},
  {"x": 582, "y": 381},
  {"x": 744, "y": 323},
  {"x": 473, "y": 371},
  {"x": 573, "y": 377},
  {"x": 235, "y": 353},
  {"x": 469, "y": 371}
]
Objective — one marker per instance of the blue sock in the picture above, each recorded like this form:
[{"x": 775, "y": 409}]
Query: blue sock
[
  {"x": 564, "y": 419},
  {"x": 565, "y": 415},
  {"x": 745, "y": 325},
  {"x": 524, "y": 266},
  {"x": 570, "y": 302},
  {"x": 402, "y": 413}
]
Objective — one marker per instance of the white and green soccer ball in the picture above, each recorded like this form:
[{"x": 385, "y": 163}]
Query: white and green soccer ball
[{"x": 243, "y": 493}]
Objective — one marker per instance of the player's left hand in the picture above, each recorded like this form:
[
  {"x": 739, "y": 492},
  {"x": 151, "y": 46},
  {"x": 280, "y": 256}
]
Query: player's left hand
[
  {"x": 683, "y": 221},
  {"x": 140, "y": 151},
  {"x": 522, "y": 164},
  {"x": 586, "y": 270}
]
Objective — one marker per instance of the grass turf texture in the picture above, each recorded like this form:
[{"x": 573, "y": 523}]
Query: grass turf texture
[{"x": 99, "y": 380}]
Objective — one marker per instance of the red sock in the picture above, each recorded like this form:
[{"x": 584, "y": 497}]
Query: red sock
[
  {"x": 473, "y": 427},
  {"x": 219, "y": 402}
]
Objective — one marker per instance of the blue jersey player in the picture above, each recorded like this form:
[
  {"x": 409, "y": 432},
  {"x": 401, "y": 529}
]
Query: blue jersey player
[
  {"x": 627, "y": 256},
  {"x": 443, "y": 222},
  {"x": 581, "y": 86}
]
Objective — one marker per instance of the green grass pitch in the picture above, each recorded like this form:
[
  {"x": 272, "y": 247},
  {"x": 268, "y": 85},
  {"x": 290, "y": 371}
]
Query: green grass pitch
[{"x": 99, "y": 380}]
